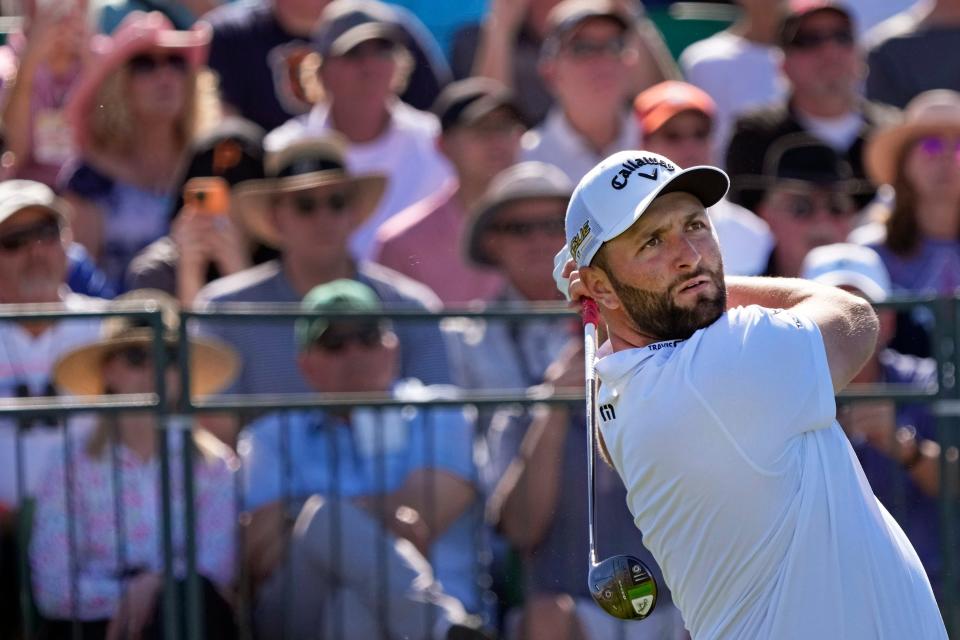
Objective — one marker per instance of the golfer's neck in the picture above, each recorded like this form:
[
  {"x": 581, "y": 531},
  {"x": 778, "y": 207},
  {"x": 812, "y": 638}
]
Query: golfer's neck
[{"x": 624, "y": 337}]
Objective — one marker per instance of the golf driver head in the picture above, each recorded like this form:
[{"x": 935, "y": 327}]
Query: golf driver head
[{"x": 623, "y": 587}]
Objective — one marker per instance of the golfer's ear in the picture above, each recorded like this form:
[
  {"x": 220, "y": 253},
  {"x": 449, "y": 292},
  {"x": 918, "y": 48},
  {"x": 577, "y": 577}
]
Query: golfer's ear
[{"x": 598, "y": 287}]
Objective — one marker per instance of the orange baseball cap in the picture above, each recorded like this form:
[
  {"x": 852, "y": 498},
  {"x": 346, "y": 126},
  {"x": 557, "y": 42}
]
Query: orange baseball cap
[{"x": 657, "y": 104}]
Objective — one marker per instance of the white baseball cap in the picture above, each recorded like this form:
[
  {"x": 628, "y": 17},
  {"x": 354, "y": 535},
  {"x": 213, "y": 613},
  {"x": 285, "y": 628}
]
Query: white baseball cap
[
  {"x": 17, "y": 195},
  {"x": 617, "y": 191},
  {"x": 850, "y": 265}
]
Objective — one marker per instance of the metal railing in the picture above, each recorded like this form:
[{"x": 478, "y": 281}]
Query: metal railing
[{"x": 944, "y": 402}]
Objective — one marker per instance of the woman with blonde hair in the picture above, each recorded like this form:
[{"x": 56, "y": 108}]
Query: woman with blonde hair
[
  {"x": 920, "y": 237},
  {"x": 96, "y": 553},
  {"x": 143, "y": 99}
]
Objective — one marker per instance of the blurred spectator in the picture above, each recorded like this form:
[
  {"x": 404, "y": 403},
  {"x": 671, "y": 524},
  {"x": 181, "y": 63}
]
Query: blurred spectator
[
  {"x": 739, "y": 67},
  {"x": 206, "y": 242},
  {"x": 920, "y": 239},
  {"x": 678, "y": 122},
  {"x": 142, "y": 100},
  {"x": 509, "y": 43},
  {"x": 914, "y": 52},
  {"x": 513, "y": 229},
  {"x": 362, "y": 62},
  {"x": 34, "y": 237},
  {"x": 585, "y": 60},
  {"x": 896, "y": 443},
  {"x": 110, "y": 544},
  {"x": 824, "y": 69},
  {"x": 806, "y": 195},
  {"x": 481, "y": 136},
  {"x": 40, "y": 66},
  {"x": 259, "y": 48},
  {"x": 538, "y": 461},
  {"x": 400, "y": 481},
  {"x": 307, "y": 207}
]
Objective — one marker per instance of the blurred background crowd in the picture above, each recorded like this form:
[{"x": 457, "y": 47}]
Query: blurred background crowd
[{"x": 418, "y": 155}]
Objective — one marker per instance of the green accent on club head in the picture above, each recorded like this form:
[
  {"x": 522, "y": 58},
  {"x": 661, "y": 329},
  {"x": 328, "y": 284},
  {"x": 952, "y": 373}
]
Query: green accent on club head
[{"x": 643, "y": 589}]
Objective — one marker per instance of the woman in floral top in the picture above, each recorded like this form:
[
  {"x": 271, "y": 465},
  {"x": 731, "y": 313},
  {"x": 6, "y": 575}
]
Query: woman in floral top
[{"x": 101, "y": 561}]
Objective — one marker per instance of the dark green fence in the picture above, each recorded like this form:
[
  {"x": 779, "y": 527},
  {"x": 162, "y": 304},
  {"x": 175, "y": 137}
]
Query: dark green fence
[{"x": 945, "y": 403}]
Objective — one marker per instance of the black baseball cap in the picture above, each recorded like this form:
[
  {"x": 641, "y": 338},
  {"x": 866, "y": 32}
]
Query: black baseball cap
[
  {"x": 345, "y": 24},
  {"x": 463, "y": 102}
]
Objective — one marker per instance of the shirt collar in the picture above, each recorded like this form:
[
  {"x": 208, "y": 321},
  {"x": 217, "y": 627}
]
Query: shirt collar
[{"x": 559, "y": 128}]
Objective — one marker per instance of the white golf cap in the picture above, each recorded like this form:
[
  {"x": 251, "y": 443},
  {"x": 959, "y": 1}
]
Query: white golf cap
[
  {"x": 617, "y": 191},
  {"x": 16, "y": 195},
  {"x": 848, "y": 265}
]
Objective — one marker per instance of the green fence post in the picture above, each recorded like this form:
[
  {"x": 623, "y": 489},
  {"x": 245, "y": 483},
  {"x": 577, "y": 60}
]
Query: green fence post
[
  {"x": 945, "y": 341},
  {"x": 194, "y": 604},
  {"x": 171, "y": 616}
]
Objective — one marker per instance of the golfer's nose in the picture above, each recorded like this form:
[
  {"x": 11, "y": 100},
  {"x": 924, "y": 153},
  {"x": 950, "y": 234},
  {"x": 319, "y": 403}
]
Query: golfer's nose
[{"x": 688, "y": 255}]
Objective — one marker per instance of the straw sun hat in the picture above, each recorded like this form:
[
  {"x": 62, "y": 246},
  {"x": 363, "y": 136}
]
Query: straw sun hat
[
  {"x": 213, "y": 365},
  {"x": 301, "y": 166},
  {"x": 932, "y": 113}
]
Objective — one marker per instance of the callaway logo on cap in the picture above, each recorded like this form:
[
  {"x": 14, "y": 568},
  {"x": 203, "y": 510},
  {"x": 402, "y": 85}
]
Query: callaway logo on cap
[{"x": 617, "y": 191}]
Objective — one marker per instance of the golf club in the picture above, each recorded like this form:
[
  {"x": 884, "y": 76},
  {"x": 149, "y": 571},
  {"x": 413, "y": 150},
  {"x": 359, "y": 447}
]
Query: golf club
[{"x": 622, "y": 585}]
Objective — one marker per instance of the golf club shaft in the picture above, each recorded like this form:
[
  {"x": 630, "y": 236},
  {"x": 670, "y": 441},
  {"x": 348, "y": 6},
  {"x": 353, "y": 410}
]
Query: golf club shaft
[{"x": 590, "y": 320}]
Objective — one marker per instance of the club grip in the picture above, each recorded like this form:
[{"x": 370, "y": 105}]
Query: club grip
[{"x": 590, "y": 313}]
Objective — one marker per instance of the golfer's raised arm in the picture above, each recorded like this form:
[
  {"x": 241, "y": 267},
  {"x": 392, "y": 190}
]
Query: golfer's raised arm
[{"x": 847, "y": 322}]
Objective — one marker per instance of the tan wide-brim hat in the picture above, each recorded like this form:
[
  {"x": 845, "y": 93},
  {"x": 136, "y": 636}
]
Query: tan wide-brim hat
[
  {"x": 213, "y": 364},
  {"x": 934, "y": 112},
  {"x": 301, "y": 166}
]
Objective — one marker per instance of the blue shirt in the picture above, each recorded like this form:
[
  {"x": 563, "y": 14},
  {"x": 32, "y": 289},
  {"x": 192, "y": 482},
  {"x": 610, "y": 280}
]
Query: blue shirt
[{"x": 371, "y": 455}]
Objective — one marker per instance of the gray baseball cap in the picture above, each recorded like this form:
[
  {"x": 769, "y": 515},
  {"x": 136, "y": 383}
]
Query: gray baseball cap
[
  {"x": 345, "y": 24},
  {"x": 522, "y": 181},
  {"x": 17, "y": 195}
]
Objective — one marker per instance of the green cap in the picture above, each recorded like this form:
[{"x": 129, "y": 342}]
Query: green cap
[{"x": 338, "y": 295}]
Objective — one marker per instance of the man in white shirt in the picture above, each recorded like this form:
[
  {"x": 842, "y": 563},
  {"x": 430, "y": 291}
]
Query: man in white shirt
[
  {"x": 361, "y": 68},
  {"x": 720, "y": 420},
  {"x": 825, "y": 71},
  {"x": 740, "y": 66},
  {"x": 34, "y": 237},
  {"x": 585, "y": 61}
]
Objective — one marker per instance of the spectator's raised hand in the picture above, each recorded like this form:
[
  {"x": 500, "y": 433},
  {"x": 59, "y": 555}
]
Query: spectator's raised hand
[
  {"x": 872, "y": 421},
  {"x": 229, "y": 247},
  {"x": 507, "y": 16}
]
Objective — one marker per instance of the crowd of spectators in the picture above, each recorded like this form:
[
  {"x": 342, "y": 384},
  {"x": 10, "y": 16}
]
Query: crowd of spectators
[{"x": 369, "y": 157}]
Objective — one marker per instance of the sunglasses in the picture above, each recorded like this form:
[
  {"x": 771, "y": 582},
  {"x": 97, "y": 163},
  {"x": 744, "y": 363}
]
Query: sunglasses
[
  {"x": 812, "y": 39},
  {"x": 553, "y": 225},
  {"x": 138, "y": 356},
  {"x": 306, "y": 205},
  {"x": 46, "y": 231},
  {"x": 937, "y": 146},
  {"x": 583, "y": 49},
  {"x": 805, "y": 206},
  {"x": 333, "y": 341},
  {"x": 146, "y": 63}
]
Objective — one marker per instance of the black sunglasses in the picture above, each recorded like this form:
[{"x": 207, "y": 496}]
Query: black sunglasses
[
  {"x": 306, "y": 205},
  {"x": 813, "y": 39},
  {"x": 590, "y": 49},
  {"x": 45, "y": 231},
  {"x": 334, "y": 341},
  {"x": 804, "y": 206},
  {"x": 139, "y": 356},
  {"x": 146, "y": 63},
  {"x": 553, "y": 225}
]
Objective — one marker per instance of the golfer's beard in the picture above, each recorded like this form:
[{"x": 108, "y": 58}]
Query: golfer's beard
[{"x": 658, "y": 316}]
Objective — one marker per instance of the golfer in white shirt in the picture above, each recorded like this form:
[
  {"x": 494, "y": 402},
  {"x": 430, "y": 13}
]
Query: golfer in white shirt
[{"x": 717, "y": 411}]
